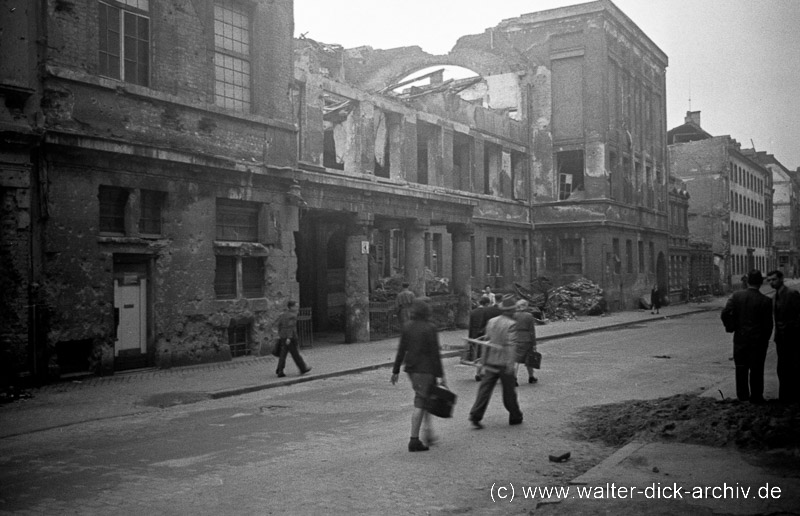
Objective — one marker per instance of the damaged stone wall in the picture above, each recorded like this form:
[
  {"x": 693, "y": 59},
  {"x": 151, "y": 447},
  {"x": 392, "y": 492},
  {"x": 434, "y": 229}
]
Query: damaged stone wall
[
  {"x": 188, "y": 324},
  {"x": 15, "y": 263}
]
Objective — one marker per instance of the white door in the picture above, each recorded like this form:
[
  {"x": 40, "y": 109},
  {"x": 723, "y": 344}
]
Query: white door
[{"x": 129, "y": 299}]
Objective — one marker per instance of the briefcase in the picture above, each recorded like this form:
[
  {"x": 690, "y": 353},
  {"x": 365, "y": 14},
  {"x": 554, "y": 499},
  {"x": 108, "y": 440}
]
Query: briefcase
[
  {"x": 534, "y": 360},
  {"x": 440, "y": 401}
]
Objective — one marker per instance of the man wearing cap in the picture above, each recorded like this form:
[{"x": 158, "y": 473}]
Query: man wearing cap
[{"x": 499, "y": 363}]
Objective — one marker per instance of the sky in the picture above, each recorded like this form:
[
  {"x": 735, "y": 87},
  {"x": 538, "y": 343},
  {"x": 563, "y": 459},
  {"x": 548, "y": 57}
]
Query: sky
[{"x": 737, "y": 60}]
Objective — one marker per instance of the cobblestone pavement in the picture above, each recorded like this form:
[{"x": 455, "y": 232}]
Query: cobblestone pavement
[{"x": 142, "y": 391}]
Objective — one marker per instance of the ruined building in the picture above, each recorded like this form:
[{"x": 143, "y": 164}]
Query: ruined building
[
  {"x": 731, "y": 199},
  {"x": 160, "y": 221},
  {"x": 179, "y": 170},
  {"x": 588, "y": 88}
]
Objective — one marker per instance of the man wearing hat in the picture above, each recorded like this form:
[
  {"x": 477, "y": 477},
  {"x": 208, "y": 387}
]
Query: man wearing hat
[{"x": 499, "y": 363}]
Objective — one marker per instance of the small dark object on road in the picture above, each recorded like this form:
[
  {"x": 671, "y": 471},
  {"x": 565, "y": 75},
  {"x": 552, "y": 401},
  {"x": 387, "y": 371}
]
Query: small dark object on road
[{"x": 560, "y": 458}]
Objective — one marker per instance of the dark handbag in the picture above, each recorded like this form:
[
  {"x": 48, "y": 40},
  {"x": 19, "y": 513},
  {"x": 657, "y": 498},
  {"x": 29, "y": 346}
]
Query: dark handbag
[
  {"x": 276, "y": 349},
  {"x": 440, "y": 401},
  {"x": 534, "y": 360}
]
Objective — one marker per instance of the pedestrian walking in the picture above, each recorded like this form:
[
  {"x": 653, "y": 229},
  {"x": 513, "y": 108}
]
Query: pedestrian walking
[
  {"x": 499, "y": 364},
  {"x": 786, "y": 309},
  {"x": 287, "y": 340},
  {"x": 526, "y": 339},
  {"x": 748, "y": 315},
  {"x": 403, "y": 301},
  {"x": 477, "y": 327},
  {"x": 492, "y": 310},
  {"x": 655, "y": 300},
  {"x": 419, "y": 351}
]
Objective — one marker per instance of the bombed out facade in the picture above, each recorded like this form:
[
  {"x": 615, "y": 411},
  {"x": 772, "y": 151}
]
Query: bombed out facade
[{"x": 190, "y": 168}]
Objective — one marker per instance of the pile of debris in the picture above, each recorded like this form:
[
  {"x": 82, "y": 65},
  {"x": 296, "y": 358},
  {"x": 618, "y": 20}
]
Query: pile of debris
[{"x": 581, "y": 297}]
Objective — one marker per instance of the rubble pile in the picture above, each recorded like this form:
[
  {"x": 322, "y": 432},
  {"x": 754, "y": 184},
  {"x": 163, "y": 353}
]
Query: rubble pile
[{"x": 581, "y": 297}]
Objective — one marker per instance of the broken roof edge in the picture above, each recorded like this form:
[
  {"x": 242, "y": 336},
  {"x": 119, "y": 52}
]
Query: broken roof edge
[{"x": 583, "y": 9}]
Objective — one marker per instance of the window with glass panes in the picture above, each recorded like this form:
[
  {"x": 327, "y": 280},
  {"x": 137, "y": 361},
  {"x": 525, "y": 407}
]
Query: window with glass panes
[
  {"x": 124, "y": 41},
  {"x": 232, "y": 86},
  {"x": 112, "y": 208},
  {"x": 151, "y": 203},
  {"x": 494, "y": 256}
]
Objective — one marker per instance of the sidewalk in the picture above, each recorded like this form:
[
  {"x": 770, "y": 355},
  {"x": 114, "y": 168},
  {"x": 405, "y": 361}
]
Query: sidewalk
[{"x": 144, "y": 391}]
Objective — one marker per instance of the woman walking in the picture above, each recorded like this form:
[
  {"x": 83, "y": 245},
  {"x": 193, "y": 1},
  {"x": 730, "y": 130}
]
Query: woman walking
[
  {"x": 526, "y": 338},
  {"x": 419, "y": 351}
]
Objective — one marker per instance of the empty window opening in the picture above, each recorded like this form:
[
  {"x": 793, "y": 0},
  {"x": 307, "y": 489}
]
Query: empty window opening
[
  {"x": 337, "y": 125},
  {"x": 462, "y": 161},
  {"x": 425, "y": 135},
  {"x": 492, "y": 165},
  {"x": 570, "y": 173}
]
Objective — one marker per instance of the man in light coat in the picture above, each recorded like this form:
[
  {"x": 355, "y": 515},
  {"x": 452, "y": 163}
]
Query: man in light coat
[{"x": 499, "y": 364}]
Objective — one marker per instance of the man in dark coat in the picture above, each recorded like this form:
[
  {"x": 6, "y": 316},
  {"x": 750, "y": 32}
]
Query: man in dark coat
[
  {"x": 748, "y": 315},
  {"x": 786, "y": 304},
  {"x": 477, "y": 326}
]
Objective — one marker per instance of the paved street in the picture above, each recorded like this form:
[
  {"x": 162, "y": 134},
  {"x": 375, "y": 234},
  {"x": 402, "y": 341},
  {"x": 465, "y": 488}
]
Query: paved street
[{"x": 337, "y": 444}]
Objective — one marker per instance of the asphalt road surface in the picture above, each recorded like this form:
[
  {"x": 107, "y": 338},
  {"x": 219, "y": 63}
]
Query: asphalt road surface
[{"x": 338, "y": 446}]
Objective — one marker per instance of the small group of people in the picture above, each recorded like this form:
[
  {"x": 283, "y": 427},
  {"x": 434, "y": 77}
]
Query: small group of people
[
  {"x": 751, "y": 317},
  {"x": 488, "y": 309},
  {"x": 511, "y": 335}
]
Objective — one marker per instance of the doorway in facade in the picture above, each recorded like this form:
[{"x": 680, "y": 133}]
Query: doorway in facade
[
  {"x": 320, "y": 250},
  {"x": 131, "y": 309}
]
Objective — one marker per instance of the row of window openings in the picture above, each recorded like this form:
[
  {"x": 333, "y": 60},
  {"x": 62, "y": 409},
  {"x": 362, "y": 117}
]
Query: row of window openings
[
  {"x": 747, "y": 235},
  {"x": 629, "y": 257},
  {"x": 742, "y": 264},
  {"x": 124, "y": 49},
  {"x": 750, "y": 207},
  {"x": 746, "y": 179},
  {"x": 679, "y": 216},
  {"x": 495, "y": 257},
  {"x": 496, "y": 161},
  {"x": 235, "y": 220}
]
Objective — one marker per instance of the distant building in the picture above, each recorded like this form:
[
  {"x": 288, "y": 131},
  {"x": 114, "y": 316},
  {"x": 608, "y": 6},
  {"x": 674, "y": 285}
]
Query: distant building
[
  {"x": 679, "y": 248},
  {"x": 786, "y": 212},
  {"x": 730, "y": 206}
]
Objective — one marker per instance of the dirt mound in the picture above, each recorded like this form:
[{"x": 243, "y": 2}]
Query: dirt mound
[{"x": 688, "y": 418}]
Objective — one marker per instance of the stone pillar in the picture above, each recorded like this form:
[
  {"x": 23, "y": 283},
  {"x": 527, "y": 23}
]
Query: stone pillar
[
  {"x": 461, "y": 281},
  {"x": 414, "y": 267},
  {"x": 356, "y": 280}
]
